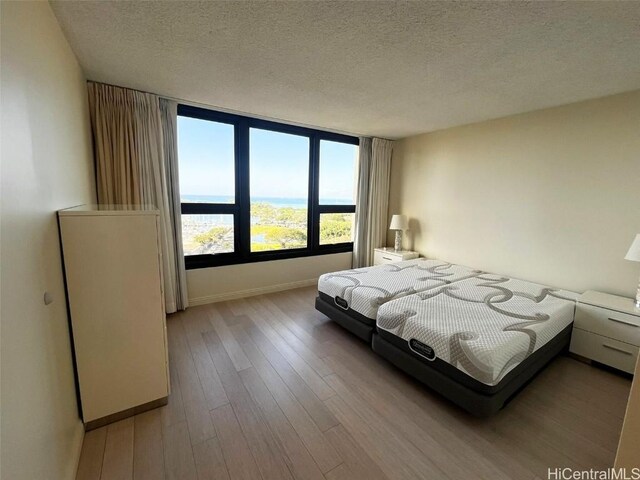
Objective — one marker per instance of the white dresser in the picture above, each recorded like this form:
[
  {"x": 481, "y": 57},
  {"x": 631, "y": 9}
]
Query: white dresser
[
  {"x": 389, "y": 255},
  {"x": 607, "y": 330},
  {"x": 114, "y": 287}
]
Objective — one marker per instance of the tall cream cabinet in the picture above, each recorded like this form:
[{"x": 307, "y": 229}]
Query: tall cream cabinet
[{"x": 114, "y": 287}]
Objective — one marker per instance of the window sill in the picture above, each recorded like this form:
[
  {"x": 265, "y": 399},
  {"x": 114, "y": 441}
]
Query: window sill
[{"x": 193, "y": 262}]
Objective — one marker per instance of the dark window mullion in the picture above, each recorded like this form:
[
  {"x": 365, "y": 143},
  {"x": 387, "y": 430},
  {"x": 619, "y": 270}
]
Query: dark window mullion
[
  {"x": 238, "y": 188},
  {"x": 244, "y": 190},
  {"x": 336, "y": 209},
  {"x": 313, "y": 227},
  {"x": 208, "y": 208}
]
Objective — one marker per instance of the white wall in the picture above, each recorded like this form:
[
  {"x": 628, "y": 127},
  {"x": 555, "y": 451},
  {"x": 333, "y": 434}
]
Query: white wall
[
  {"x": 208, "y": 285},
  {"x": 551, "y": 196},
  {"x": 46, "y": 165}
]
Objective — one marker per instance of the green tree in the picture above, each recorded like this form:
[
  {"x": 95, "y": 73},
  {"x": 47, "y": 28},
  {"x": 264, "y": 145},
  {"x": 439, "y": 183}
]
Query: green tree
[
  {"x": 335, "y": 228},
  {"x": 286, "y": 237},
  {"x": 263, "y": 213},
  {"x": 217, "y": 237},
  {"x": 291, "y": 217}
]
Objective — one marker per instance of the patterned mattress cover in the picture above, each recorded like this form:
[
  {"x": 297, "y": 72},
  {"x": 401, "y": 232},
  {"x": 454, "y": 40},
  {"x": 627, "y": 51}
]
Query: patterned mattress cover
[
  {"x": 484, "y": 326},
  {"x": 365, "y": 289}
]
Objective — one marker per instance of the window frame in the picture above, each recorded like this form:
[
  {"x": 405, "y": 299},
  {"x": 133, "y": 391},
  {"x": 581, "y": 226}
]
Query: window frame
[{"x": 240, "y": 209}]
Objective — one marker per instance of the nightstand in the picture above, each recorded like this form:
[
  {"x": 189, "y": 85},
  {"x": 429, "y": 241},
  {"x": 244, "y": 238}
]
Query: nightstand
[
  {"x": 389, "y": 255},
  {"x": 607, "y": 329}
]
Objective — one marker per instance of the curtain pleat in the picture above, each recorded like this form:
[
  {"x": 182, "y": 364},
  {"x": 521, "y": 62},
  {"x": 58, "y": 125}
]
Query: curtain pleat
[
  {"x": 129, "y": 143},
  {"x": 169, "y": 113},
  {"x": 372, "y": 205},
  {"x": 361, "y": 236}
]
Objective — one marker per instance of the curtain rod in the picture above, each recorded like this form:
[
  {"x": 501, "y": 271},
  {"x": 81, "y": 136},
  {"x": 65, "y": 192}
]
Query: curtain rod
[{"x": 235, "y": 112}]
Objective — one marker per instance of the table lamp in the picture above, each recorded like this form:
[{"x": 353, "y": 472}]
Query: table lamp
[
  {"x": 634, "y": 255},
  {"x": 399, "y": 223}
]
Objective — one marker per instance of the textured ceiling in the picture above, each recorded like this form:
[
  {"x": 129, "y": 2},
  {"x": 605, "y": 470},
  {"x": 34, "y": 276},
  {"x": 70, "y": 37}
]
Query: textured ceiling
[{"x": 389, "y": 69}]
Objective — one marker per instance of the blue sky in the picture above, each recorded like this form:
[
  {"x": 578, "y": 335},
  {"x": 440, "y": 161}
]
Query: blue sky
[{"x": 278, "y": 162}]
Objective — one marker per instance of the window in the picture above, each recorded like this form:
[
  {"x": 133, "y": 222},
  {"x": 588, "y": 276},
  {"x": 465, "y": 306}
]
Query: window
[
  {"x": 253, "y": 190},
  {"x": 337, "y": 191},
  {"x": 206, "y": 150},
  {"x": 279, "y": 173}
]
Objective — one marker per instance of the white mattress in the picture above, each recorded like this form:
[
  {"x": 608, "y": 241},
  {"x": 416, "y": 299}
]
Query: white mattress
[
  {"x": 365, "y": 289},
  {"x": 485, "y": 325}
]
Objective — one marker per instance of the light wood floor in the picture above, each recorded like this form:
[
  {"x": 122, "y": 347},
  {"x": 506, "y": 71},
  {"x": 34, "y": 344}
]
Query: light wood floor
[{"x": 267, "y": 387}]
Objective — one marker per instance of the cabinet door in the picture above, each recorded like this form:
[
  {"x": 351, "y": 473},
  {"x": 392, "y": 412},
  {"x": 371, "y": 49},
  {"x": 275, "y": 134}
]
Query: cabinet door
[{"x": 115, "y": 297}]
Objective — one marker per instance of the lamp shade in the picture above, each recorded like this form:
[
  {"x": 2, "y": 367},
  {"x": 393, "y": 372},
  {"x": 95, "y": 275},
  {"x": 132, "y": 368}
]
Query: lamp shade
[
  {"x": 634, "y": 250},
  {"x": 400, "y": 222}
]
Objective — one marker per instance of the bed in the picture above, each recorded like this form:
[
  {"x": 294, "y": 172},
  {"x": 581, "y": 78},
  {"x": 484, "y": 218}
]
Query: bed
[
  {"x": 352, "y": 297},
  {"x": 478, "y": 340}
]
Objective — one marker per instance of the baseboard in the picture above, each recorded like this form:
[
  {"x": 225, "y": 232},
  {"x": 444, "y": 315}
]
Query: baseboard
[
  {"x": 222, "y": 297},
  {"x": 129, "y": 412}
]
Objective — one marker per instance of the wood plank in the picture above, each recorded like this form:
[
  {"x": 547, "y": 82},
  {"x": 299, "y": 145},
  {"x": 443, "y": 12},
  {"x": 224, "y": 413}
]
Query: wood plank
[
  {"x": 601, "y": 389},
  {"x": 295, "y": 384},
  {"x": 194, "y": 402},
  {"x": 236, "y": 307},
  {"x": 209, "y": 460},
  {"x": 303, "y": 315},
  {"x": 511, "y": 432},
  {"x": 575, "y": 421},
  {"x": 173, "y": 412},
  {"x": 439, "y": 458},
  {"x": 178, "y": 455},
  {"x": 92, "y": 454},
  {"x": 275, "y": 317},
  {"x": 386, "y": 450},
  {"x": 290, "y": 322},
  {"x": 385, "y": 384},
  {"x": 440, "y": 442},
  {"x": 118, "y": 451},
  {"x": 206, "y": 370},
  {"x": 323, "y": 453},
  {"x": 573, "y": 399},
  {"x": 226, "y": 313},
  {"x": 240, "y": 361},
  {"x": 299, "y": 459},
  {"x": 148, "y": 447},
  {"x": 583, "y": 450},
  {"x": 266, "y": 450},
  {"x": 361, "y": 465},
  {"x": 341, "y": 472},
  {"x": 237, "y": 455},
  {"x": 265, "y": 340}
]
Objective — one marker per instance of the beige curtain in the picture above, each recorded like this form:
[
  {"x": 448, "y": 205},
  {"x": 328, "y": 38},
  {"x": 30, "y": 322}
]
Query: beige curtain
[
  {"x": 372, "y": 204},
  {"x": 129, "y": 144},
  {"x": 361, "y": 244},
  {"x": 169, "y": 117}
]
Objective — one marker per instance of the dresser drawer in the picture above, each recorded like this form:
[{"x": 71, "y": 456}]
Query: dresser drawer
[
  {"x": 383, "y": 255},
  {"x": 605, "y": 350},
  {"x": 612, "y": 324},
  {"x": 380, "y": 258}
]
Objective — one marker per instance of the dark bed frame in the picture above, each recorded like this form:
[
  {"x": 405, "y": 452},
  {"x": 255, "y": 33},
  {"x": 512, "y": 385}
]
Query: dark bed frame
[
  {"x": 475, "y": 397},
  {"x": 353, "y": 321}
]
